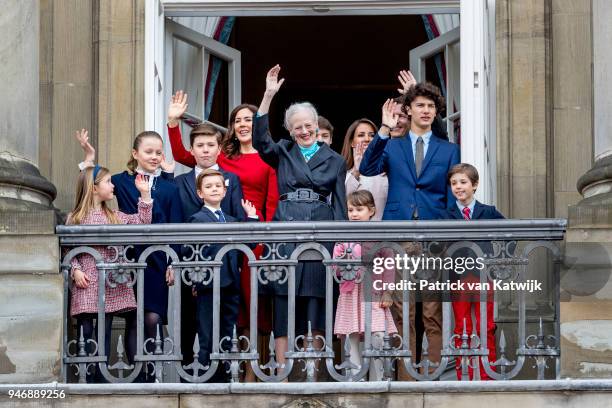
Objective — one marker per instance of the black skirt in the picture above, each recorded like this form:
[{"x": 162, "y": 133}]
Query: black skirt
[{"x": 309, "y": 275}]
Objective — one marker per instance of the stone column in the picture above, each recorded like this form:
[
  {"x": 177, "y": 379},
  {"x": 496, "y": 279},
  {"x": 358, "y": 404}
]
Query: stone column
[
  {"x": 30, "y": 285},
  {"x": 21, "y": 185},
  {"x": 523, "y": 137},
  {"x": 586, "y": 312},
  {"x": 596, "y": 184}
]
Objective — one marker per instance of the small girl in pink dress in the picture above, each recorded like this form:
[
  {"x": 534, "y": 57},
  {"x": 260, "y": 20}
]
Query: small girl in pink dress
[
  {"x": 94, "y": 190},
  {"x": 350, "y": 313}
]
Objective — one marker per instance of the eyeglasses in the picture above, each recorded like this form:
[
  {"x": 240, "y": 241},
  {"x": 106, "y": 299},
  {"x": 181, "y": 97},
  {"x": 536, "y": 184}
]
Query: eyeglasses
[{"x": 307, "y": 125}]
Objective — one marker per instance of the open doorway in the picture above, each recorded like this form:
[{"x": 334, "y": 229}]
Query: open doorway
[
  {"x": 475, "y": 95},
  {"x": 345, "y": 65}
]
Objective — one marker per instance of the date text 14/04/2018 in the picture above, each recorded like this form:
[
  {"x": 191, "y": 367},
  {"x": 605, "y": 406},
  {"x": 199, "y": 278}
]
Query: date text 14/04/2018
[{"x": 530, "y": 285}]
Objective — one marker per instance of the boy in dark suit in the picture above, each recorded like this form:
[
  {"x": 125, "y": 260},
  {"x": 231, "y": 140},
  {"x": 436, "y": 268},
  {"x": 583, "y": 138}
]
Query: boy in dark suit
[
  {"x": 212, "y": 190},
  {"x": 205, "y": 141},
  {"x": 205, "y": 147},
  {"x": 463, "y": 181}
]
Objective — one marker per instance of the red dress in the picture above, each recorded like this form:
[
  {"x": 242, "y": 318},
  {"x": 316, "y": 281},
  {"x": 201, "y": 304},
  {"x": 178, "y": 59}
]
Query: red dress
[{"x": 259, "y": 186}]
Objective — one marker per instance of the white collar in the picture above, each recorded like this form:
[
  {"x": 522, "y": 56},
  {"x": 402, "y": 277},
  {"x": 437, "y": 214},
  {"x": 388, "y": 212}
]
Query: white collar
[
  {"x": 198, "y": 169},
  {"x": 213, "y": 210},
  {"x": 152, "y": 176},
  {"x": 156, "y": 173}
]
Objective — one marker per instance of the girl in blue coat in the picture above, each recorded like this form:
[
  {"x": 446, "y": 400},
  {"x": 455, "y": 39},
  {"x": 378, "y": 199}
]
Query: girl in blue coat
[{"x": 146, "y": 159}]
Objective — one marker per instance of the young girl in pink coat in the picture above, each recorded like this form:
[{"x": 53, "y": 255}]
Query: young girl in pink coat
[
  {"x": 350, "y": 313},
  {"x": 94, "y": 190}
]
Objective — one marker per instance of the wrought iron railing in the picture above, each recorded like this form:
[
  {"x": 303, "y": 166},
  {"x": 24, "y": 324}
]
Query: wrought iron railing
[{"x": 513, "y": 250}]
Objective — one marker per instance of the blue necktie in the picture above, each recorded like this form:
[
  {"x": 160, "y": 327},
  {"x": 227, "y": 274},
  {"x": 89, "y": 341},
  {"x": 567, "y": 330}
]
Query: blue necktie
[{"x": 220, "y": 215}]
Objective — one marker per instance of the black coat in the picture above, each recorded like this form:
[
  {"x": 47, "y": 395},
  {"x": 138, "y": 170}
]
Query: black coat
[{"x": 325, "y": 174}]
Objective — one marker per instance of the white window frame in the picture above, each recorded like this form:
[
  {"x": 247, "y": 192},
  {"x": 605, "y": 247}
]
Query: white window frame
[
  {"x": 477, "y": 45},
  {"x": 206, "y": 47},
  {"x": 418, "y": 58},
  {"x": 478, "y": 95},
  {"x": 241, "y": 8}
]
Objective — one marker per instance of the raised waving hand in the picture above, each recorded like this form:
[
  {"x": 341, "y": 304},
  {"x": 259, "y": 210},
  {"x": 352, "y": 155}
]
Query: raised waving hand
[
  {"x": 142, "y": 185},
  {"x": 167, "y": 165},
  {"x": 389, "y": 118},
  {"x": 273, "y": 84},
  {"x": 82, "y": 136},
  {"x": 177, "y": 108},
  {"x": 407, "y": 80},
  {"x": 249, "y": 208}
]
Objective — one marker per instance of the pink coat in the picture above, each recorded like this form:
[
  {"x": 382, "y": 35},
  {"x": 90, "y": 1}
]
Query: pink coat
[
  {"x": 120, "y": 298},
  {"x": 350, "y": 313}
]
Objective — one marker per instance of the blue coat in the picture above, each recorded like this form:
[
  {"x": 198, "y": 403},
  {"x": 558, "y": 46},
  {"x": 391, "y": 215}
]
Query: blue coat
[
  {"x": 429, "y": 192},
  {"x": 481, "y": 212},
  {"x": 230, "y": 271},
  {"x": 231, "y": 203},
  {"x": 166, "y": 209}
]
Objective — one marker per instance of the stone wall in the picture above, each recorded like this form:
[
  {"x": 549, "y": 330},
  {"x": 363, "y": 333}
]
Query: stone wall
[
  {"x": 379, "y": 394},
  {"x": 92, "y": 70},
  {"x": 66, "y": 91},
  {"x": 544, "y": 104},
  {"x": 583, "y": 111},
  {"x": 523, "y": 108},
  {"x": 572, "y": 99},
  {"x": 31, "y": 298},
  {"x": 91, "y": 76},
  {"x": 545, "y": 144}
]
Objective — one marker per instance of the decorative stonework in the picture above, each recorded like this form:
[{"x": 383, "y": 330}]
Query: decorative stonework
[{"x": 308, "y": 403}]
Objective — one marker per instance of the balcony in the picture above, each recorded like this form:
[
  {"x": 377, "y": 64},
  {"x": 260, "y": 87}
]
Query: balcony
[{"x": 519, "y": 251}]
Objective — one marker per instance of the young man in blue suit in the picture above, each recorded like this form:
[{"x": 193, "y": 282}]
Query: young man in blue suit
[
  {"x": 416, "y": 166},
  {"x": 205, "y": 141},
  {"x": 212, "y": 190}
]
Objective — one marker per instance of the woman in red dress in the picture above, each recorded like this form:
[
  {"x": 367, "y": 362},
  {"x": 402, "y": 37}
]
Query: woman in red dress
[{"x": 258, "y": 181}]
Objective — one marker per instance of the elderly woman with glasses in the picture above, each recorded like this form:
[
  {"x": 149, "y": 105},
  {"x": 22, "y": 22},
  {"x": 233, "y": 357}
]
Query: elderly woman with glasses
[{"x": 311, "y": 187}]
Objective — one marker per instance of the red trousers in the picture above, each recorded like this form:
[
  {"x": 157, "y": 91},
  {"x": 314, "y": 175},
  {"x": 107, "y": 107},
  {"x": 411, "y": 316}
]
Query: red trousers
[{"x": 463, "y": 310}]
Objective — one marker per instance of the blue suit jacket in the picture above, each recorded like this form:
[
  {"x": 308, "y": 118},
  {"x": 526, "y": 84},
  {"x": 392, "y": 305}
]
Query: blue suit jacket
[
  {"x": 481, "y": 212},
  {"x": 429, "y": 192},
  {"x": 192, "y": 203},
  {"x": 230, "y": 271}
]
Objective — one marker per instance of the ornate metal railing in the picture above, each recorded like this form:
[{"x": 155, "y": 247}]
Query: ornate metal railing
[{"x": 513, "y": 251}]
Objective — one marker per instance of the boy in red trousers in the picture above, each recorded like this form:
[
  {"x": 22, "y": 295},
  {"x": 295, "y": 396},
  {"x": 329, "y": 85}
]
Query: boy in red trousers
[{"x": 463, "y": 180}]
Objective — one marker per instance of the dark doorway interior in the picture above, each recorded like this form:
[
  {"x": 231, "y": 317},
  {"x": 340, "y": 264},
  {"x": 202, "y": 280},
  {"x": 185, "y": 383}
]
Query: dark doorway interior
[{"x": 345, "y": 65}]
